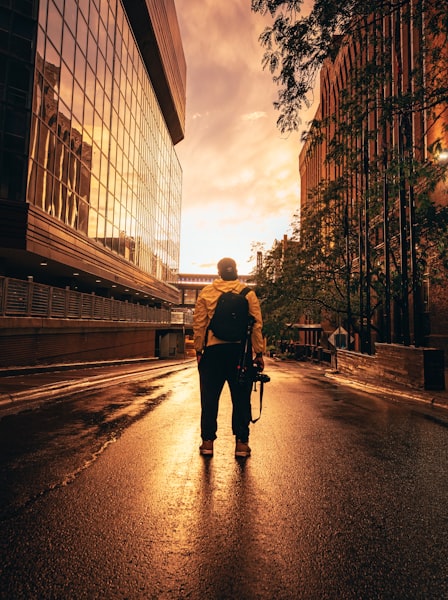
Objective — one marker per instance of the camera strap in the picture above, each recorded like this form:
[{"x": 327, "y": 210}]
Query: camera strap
[
  {"x": 245, "y": 366},
  {"x": 261, "y": 400}
]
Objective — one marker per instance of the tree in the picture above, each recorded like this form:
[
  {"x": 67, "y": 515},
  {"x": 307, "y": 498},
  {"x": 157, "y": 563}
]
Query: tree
[
  {"x": 296, "y": 45},
  {"x": 291, "y": 288},
  {"x": 371, "y": 223}
]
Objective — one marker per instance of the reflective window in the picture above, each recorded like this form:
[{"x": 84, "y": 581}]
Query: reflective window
[
  {"x": 82, "y": 34},
  {"x": 54, "y": 28},
  {"x": 101, "y": 157},
  {"x": 92, "y": 49},
  {"x": 70, "y": 17},
  {"x": 68, "y": 49},
  {"x": 66, "y": 85},
  {"x": 40, "y": 43},
  {"x": 52, "y": 64},
  {"x": 84, "y": 8},
  {"x": 43, "y": 8},
  {"x": 88, "y": 119},
  {"x": 80, "y": 67},
  {"x": 78, "y": 101}
]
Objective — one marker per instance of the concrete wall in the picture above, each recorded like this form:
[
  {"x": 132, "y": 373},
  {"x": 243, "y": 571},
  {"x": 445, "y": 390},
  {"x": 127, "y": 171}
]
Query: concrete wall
[
  {"x": 418, "y": 368},
  {"x": 27, "y": 342},
  {"x": 171, "y": 345}
]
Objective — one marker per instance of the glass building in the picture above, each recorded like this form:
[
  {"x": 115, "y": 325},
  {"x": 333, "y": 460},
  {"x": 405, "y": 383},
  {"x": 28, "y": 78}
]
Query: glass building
[{"x": 92, "y": 103}]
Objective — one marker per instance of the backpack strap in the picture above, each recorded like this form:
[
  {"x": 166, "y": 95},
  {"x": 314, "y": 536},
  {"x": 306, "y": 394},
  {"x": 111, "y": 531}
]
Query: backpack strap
[{"x": 261, "y": 401}]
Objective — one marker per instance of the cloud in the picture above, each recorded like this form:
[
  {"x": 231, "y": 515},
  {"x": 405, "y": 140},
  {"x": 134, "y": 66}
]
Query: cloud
[
  {"x": 240, "y": 176},
  {"x": 254, "y": 116}
]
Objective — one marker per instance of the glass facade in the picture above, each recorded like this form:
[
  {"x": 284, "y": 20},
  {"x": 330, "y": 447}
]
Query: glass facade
[
  {"x": 17, "y": 34},
  {"x": 101, "y": 158}
]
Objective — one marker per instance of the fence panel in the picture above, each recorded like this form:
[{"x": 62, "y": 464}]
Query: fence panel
[
  {"x": 58, "y": 303},
  {"x": 17, "y": 298},
  {"x": 115, "y": 310},
  {"x": 87, "y": 306},
  {"x": 29, "y": 299},
  {"x": 97, "y": 305},
  {"x": 40, "y": 299},
  {"x": 107, "y": 309},
  {"x": 74, "y": 305}
]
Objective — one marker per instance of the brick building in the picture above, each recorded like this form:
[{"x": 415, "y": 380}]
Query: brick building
[{"x": 374, "y": 103}]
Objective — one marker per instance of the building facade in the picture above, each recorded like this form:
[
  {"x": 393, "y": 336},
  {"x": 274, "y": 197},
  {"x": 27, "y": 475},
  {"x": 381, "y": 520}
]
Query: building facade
[
  {"x": 191, "y": 284},
  {"x": 92, "y": 103},
  {"x": 382, "y": 142}
]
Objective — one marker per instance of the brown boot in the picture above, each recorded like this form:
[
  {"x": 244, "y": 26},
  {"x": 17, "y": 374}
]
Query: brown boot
[
  {"x": 206, "y": 448},
  {"x": 242, "y": 449}
]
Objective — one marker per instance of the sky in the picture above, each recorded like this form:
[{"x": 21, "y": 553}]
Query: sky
[{"x": 240, "y": 174}]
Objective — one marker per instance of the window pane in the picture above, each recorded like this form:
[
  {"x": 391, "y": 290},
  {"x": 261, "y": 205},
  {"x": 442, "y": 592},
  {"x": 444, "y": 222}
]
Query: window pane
[
  {"x": 91, "y": 51},
  {"x": 43, "y": 13},
  {"x": 88, "y": 117},
  {"x": 78, "y": 102},
  {"x": 51, "y": 65},
  {"x": 54, "y": 29},
  {"x": 70, "y": 16},
  {"x": 81, "y": 36},
  {"x": 68, "y": 49},
  {"x": 80, "y": 67},
  {"x": 40, "y": 44},
  {"x": 84, "y": 8},
  {"x": 66, "y": 85}
]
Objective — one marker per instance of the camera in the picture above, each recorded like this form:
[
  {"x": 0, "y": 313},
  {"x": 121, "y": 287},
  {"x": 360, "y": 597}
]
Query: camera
[
  {"x": 259, "y": 376},
  {"x": 249, "y": 375}
]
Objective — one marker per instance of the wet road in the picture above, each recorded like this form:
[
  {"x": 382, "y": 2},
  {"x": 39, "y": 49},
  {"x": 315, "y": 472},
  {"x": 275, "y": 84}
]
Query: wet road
[{"x": 344, "y": 497}]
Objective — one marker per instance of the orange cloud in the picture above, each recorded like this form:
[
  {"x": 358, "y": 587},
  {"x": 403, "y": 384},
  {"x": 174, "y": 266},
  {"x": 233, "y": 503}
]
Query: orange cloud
[{"x": 240, "y": 177}]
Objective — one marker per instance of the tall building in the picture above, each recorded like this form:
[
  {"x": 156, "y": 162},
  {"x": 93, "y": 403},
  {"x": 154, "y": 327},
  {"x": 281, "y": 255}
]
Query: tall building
[
  {"x": 374, "y": 162},
  {"x": 92, "y": 103}
]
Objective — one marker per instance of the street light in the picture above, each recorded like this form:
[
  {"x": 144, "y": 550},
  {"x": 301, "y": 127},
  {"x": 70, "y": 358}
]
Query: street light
[{"x": 442, "y": 156}]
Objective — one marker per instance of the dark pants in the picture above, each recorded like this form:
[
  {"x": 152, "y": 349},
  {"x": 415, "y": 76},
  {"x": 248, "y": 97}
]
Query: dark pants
[{"x": 220, "y": 364}]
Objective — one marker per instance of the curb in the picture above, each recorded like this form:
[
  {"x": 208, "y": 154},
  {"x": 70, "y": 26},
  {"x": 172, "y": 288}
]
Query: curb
[{"x": 51, "y": 368}]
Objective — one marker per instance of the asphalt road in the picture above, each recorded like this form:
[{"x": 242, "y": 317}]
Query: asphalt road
[{"x": 104, "y": 495}]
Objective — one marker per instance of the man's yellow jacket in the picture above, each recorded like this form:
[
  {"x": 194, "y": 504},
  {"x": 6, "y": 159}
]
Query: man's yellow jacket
[{"x": 205, "y": 308}]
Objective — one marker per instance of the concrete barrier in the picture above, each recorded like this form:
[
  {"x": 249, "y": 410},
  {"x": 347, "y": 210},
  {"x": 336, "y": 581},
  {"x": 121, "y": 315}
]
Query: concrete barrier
[{"x": 417, "y": 368}]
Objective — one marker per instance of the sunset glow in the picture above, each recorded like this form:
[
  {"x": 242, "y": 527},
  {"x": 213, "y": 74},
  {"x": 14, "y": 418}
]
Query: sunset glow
[{"x": 240, "y": 175}]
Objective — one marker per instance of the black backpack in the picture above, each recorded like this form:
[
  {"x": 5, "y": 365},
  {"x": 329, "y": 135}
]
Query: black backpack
[{"x": 231, "y": 317}]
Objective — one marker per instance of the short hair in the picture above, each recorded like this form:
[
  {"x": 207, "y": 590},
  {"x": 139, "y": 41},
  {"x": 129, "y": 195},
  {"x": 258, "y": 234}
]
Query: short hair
[{"x": 227, "y": 269}]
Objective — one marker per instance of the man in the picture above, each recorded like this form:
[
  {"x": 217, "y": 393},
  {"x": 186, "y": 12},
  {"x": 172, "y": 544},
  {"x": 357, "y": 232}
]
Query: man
[{"x": 218, "y": 360}]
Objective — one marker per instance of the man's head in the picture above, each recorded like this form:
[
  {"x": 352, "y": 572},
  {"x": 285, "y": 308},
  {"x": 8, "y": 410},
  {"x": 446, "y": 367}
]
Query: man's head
[{"x": 227, "y": 269}]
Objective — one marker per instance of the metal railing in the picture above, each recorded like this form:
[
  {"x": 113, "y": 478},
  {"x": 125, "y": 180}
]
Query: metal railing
[{"x": 19, "y": 298}]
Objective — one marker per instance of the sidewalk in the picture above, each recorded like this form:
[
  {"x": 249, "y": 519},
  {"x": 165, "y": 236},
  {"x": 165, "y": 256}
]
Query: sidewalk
[
  {"x": 382, "y": 387},
  {"x": 431, "y": 397}
]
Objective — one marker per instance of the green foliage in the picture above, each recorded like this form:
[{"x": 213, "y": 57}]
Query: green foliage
[
  {"x": 290, "y": 286},
  {"x": 296, "y": 45},
  {"x": 298, "y": 42},
  {"x": 340, "y": 235}
]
